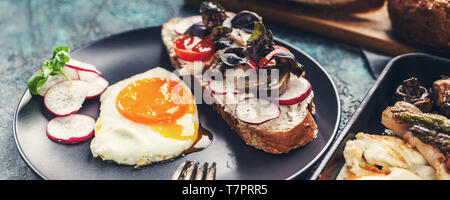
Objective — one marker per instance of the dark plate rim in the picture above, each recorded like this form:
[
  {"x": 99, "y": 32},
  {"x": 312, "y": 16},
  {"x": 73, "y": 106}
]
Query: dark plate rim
[
  {"x": 358, "y": 112},
  {"x": 338, "y": 117},
  {"x": 277, "y": 40}
]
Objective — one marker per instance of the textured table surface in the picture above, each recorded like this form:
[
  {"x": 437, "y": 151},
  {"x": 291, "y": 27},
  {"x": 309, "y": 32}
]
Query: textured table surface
[{"x": 32, "y": 28}]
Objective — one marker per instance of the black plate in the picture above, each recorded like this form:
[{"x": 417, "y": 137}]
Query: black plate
[
  {"x": 367, "y": 117},
  {"x": 127, "y": 54}
]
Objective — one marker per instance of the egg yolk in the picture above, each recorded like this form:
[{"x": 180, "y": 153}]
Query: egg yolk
[{"x": 159, "y": 103}]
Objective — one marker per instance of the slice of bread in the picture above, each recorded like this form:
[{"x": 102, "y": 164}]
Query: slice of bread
[{"x": 295, "y": 126}]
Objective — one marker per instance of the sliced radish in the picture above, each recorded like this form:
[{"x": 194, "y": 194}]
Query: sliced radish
[
  {"x": 51, "y": 80},
  {"x": 185, "y": 23},
  {"x": 220, "y": 87},
  {"x": 76, "y": 64},
  {"x": 71, "y": 129},
  {"x": 96, "y": 87},
  {"x": 256, "y": 111},
  {"x": 96, "y": 83},
  {"x": 87, "y": 76},
  {"x": 71, "y": 73},
  {"x": 298, "y": 89},
  {"x": 65, "y": 98}
]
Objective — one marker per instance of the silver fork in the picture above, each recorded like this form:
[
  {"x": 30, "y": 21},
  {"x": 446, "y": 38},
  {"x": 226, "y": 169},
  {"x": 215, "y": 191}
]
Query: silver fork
[{"x": 188, "y": 170}]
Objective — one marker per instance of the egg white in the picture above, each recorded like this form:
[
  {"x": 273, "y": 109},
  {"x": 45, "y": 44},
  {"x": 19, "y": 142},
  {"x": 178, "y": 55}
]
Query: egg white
[{"x": 126, "y": 142}]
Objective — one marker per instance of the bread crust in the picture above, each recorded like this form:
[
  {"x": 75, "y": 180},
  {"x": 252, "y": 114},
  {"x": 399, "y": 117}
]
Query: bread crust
[{"x": 269, "y": 141}]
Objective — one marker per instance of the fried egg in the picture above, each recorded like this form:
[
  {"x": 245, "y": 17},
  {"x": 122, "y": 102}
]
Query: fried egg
[{"x": 147, "y": 118}]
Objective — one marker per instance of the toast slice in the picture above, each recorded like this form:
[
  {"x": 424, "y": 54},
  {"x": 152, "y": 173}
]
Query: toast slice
[{"x": 294, "y": 127}]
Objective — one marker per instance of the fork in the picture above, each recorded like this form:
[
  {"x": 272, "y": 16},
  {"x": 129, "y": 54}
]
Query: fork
[{"x": 188, "y": 170}]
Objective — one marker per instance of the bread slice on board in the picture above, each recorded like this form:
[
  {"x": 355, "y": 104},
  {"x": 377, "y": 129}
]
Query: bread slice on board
[{"x": 295, "y": 126}]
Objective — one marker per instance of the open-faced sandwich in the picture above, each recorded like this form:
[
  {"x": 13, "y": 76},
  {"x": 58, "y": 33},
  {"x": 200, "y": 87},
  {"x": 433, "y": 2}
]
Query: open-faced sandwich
[{"x": 257, "y": 87}]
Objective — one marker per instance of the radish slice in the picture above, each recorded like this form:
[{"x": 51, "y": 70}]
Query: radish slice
[
  {"x": 87, "y": 76},
  {"x": 76, "y": 64},
  {"x": 96, "y": 83},
  {"x": 65, "y": 98},
  {"x": 220, "y": 87},
  {"x": 256, "y": 111},
  {"x": 297, "y": 91},
  {"x": 71, "y": 73},
  {"x": 71, "y": 129},
  {"x": 185, "y": 23},
  {"x": 96, "y": 87},
  {"x": 52, "y": 80}
]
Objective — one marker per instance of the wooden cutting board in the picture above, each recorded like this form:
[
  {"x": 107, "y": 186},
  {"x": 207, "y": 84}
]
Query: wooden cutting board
[{"x": 371, "y": 30}]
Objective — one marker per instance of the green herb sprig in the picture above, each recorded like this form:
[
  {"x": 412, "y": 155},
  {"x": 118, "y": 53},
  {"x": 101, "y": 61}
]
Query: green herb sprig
[{"x": 51, "y": 67}]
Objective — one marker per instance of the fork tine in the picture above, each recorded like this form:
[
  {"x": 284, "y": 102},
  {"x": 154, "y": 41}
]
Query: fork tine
[
  {"x": 179, "y": 171},
  {"x": 188, "y": 170},
  {"x": 191, "y": 168},
  {"x": 201, "y": 172},
  {"x": 211, "y": 174}
]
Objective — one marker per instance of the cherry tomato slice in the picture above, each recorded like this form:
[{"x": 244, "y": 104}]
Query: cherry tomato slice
[
  {"x": 263, "y": 61},
  {"x": 193, "y": 48}
]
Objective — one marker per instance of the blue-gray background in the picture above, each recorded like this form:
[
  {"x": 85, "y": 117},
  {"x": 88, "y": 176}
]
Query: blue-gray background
[{"x": 31, "y": 29}]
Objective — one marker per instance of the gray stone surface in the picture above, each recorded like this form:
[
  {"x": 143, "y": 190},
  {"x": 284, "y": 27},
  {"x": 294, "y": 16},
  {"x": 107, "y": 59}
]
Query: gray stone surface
[{"x": 31, "y": 29}]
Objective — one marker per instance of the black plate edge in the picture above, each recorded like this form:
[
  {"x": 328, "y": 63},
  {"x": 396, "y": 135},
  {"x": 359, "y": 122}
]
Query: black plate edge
[
  {"x": 277, "y": 40},
  {"x": 339, "y": 112},
  {"x": 355, "y": 116},
  {"x": 16, "y": 114}
]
